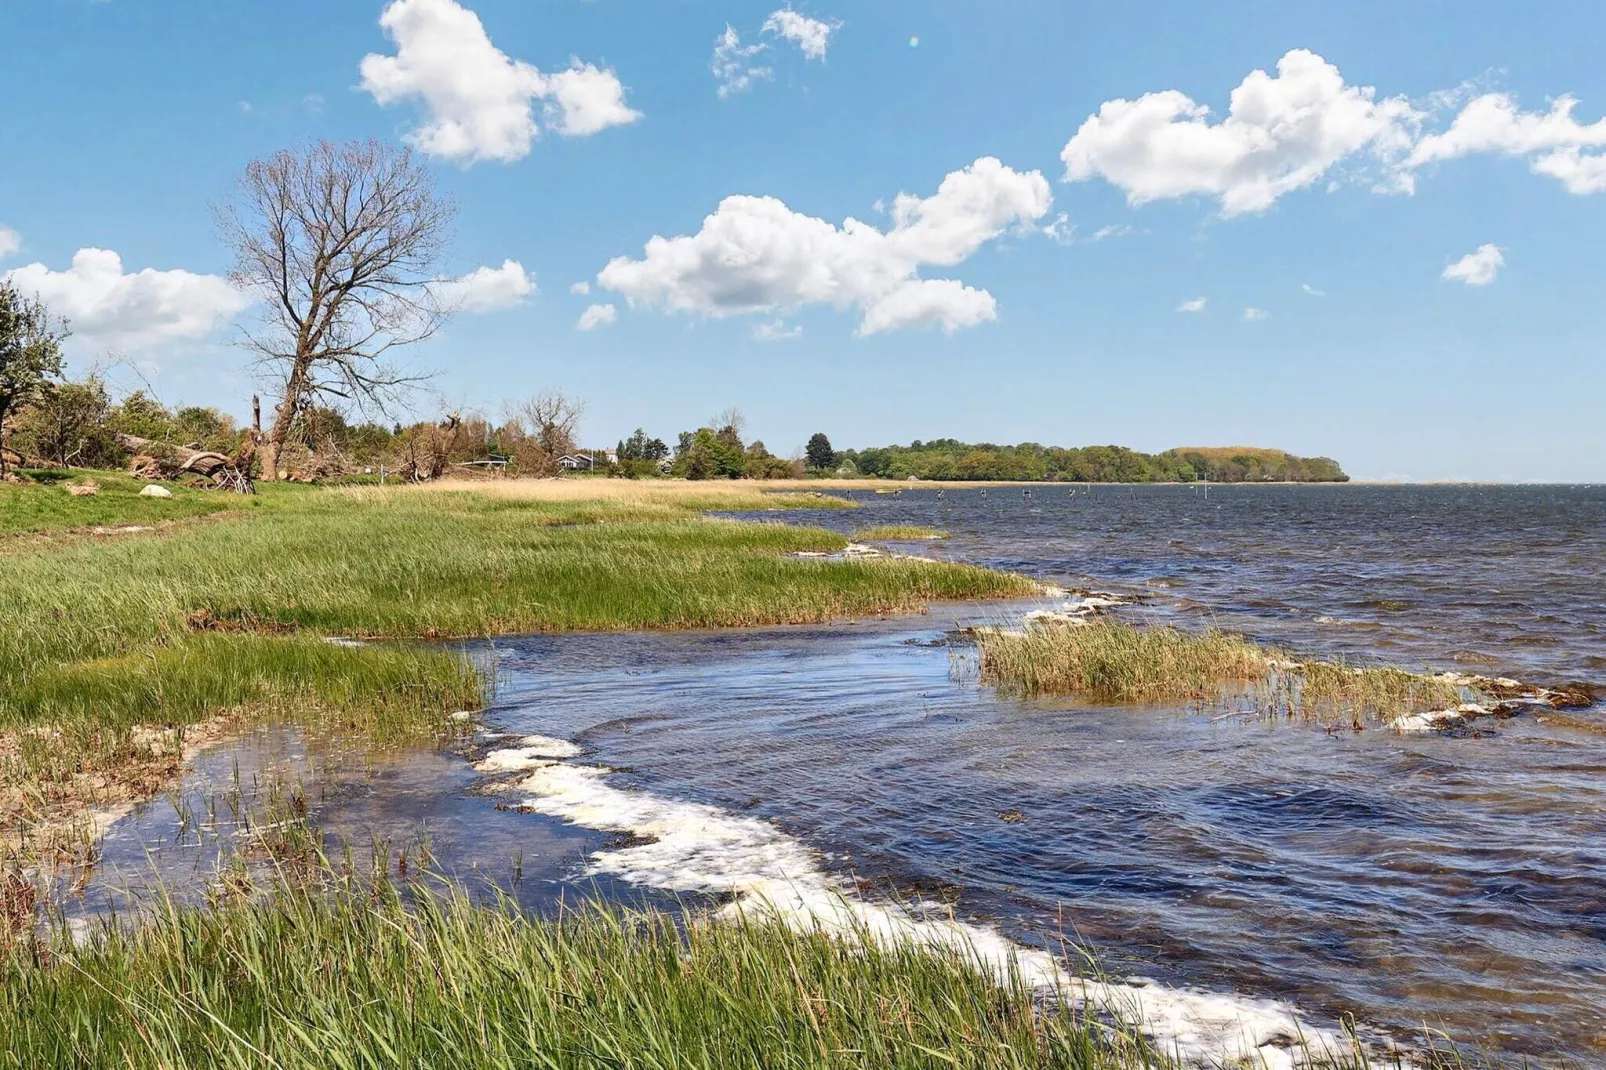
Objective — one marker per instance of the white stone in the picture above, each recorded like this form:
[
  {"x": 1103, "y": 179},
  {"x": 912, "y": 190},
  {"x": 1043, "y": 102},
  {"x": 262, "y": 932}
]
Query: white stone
[{"x": 153, "y": 491}]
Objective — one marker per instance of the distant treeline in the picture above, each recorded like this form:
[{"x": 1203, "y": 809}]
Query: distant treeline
[{"x": 949, "y": 459}]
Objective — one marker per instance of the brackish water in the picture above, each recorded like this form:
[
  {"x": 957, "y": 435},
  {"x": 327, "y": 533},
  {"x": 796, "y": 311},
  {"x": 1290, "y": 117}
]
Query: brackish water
[{"x": 1453, "y": 883}]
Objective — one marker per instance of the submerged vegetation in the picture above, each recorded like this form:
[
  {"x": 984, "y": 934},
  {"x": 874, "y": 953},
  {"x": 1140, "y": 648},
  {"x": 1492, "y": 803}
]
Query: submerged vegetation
[
  {"x": 1119, "y": 662},
  {"x": 174, "y": 627}
]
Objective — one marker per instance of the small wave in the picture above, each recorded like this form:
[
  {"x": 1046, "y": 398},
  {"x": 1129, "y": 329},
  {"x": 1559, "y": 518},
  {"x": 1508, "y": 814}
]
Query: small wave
[
  {"x": 690, "y": 847},
  {"x": 1342, "y": 622}
]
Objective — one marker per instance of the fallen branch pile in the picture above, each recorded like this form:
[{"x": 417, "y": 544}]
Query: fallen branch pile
[{"x": 158, "y": 460}]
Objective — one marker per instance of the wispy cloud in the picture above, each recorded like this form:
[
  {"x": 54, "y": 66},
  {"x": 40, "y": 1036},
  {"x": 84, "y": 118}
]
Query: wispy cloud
[
  {"x": 735, "y": 64},
  {"x": 775, "y": 331},
  {"x": 1193, "y": 304}
]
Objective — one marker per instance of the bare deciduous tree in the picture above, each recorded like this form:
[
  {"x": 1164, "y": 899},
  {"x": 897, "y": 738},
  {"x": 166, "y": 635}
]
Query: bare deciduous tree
[
  {"x": 340, "y": 243},
  {"x": 550, "y": 420},
  {"x": 730, "y": 419}
]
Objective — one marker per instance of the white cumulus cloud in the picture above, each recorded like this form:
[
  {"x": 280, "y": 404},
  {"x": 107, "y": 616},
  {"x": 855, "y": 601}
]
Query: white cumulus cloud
[
  {"x": 1580, "y": 172},
  {"x": 10, "y": 242},
  {"x": 1554, "y": 142},
  {"x": 1477, "y": 268},
  {"x": 735, "y": 65},
  {"x": 130, "y": 310},
  {"x": 1193, "y": 304},
  {"x": 596, "y": 316},
  {"x": 486, "y": 289},
  {"x": 478, "y": 102},
  {"x": 812, "y": 36},
  {"x": 756, "y": 255},
  {"x": 581, "y": 288},
  {"x": 1281, "y": 133}
]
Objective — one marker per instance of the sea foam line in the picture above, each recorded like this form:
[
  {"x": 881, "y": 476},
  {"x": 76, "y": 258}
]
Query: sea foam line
[{"x": 693, "y": 847}]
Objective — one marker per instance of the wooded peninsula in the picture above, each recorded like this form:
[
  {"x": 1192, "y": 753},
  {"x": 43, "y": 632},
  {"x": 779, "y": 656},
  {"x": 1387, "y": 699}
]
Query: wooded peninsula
[{"x": 949, "y": 459}]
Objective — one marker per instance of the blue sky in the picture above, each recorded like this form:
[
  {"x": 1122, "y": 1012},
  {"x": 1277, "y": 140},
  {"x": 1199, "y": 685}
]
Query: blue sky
[{"x": 1394, "y": 141}]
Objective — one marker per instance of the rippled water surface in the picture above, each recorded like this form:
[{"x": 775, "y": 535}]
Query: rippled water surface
[{"x": 1456, "y": 883}]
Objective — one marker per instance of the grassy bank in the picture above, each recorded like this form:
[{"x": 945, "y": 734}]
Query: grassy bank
[
  {"x": 44, "y": 504},
  {"x": 175, "y": 626},
  {"x": 1118, "y": 662},
  {"x": 351, "y": 979}
]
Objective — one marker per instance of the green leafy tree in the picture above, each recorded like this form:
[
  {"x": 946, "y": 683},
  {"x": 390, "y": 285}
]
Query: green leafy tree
[
  {"x": 819, "y": 453},
  {"x": 30, "y": 352},
  {"x": 712, "y": 455},
  {"x": 66, "y": 425}
]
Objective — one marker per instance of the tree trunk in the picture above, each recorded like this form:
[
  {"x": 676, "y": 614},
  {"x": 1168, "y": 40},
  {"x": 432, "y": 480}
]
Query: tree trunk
[
  {"x": 201, "y": 462},
  {"x": 273, "y": 445}
]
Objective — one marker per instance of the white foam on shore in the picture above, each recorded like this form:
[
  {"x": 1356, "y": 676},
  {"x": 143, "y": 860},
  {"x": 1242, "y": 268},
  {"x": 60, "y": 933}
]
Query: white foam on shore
[
  {"x": 532, "y": 752},
  {"x": 1439, "y": 720},
  {"x": 694, "y": 847},
  {"x": 1074, "y": 611}
]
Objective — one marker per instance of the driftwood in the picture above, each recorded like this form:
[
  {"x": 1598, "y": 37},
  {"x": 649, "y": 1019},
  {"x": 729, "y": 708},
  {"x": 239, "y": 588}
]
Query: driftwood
[{"x": 157, "y": 460}]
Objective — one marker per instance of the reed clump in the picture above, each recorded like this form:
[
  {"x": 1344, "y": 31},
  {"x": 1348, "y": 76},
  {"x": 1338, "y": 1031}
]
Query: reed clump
[
  {"x": 1114, "y": 661},
  {"x": 900, "y": 533},
  {"x": 1119, "y": 662},
  {"x": 1327, "y": 687}
]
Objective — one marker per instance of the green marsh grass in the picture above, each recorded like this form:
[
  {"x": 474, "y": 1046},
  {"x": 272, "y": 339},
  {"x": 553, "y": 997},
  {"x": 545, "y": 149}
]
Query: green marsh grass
[
  {"x": 176, "y": 626},
  {"x": 356, "y": 977}
]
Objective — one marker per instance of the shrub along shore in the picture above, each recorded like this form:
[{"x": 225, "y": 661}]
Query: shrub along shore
[{"x": 118, "y": 642}]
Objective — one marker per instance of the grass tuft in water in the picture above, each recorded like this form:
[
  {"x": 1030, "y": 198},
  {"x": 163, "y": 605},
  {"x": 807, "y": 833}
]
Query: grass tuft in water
[
  {"x": 900, "y": 533},
  {"x": 1114, "y": 661},
  {"x": 1118, "y": 662}
]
